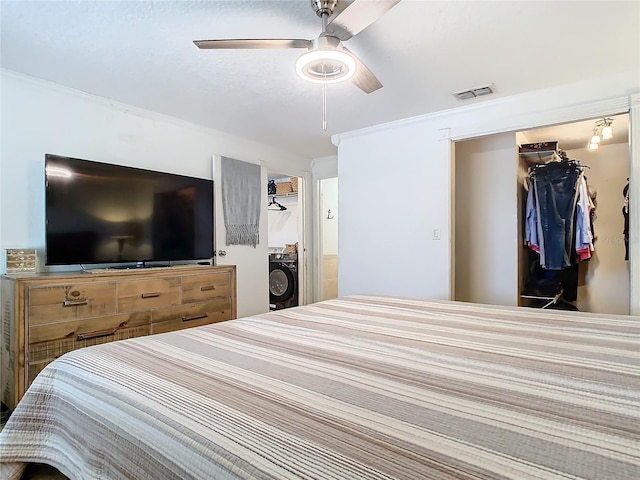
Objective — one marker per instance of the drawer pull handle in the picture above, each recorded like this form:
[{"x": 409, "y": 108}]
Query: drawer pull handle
[
  {"x": 194, "y": 317},
  {"x": 102, "y": 333},
  {"x": 207, "y": 287},
  {"x": 74, "y": 303},
  {"x": 150, "y": 295}
]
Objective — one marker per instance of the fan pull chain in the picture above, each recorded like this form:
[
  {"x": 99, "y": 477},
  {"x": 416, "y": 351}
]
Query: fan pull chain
[
  {"x": 325, "y": 20},
  {"x": 324, "y": 98},
  {"x": 324, "y": 107}
]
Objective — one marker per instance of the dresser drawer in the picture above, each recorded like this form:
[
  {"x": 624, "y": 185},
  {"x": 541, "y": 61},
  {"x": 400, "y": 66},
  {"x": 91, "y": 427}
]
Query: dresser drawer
[
  {"x": 56, "y": 303},
  {"x": 196, "y": 288},
  {"x": 147, "y": 294},
  {"x": 43, "y": 353},
  {"x": 88, "y": 328},
  {"x": 191, "y": 315}
]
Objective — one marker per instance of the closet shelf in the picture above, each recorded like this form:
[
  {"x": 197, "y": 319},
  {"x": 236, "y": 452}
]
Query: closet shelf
[
  {"x": 543, "y": 156},
  {"x": 288, "y": 194}
]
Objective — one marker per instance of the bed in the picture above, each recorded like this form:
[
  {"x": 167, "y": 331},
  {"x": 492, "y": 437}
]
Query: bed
[{"x": 361, "y": 387}]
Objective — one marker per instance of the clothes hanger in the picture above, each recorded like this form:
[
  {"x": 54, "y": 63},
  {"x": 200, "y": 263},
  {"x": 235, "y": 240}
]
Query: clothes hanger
[
  {"x": 273, "y": 202},
  {"x": 568, "y": 162}
]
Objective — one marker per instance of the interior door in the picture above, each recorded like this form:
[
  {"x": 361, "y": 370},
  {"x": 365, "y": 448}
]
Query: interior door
[{"x": 252, "y": 264}]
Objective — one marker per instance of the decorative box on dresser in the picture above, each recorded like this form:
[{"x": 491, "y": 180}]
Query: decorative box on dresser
[{"x": 48, "y": 314}]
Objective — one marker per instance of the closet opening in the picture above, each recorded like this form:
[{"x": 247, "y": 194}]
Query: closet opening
[
  {"x": 285, "y": 240},
  {"x": 597, "y": 277},
  {"x": 494, "y": 258}
]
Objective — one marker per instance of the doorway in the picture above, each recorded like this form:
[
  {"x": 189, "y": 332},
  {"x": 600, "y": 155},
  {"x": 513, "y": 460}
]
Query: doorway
[
  {"x": 603, "y": 280},
  {"x": 328, "y": 251},
  {"x": 285, "y": 247}
]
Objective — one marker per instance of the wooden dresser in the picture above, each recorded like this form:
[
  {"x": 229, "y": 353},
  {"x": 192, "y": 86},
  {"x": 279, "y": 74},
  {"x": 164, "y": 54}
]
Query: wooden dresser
[{"x": 47, "y": 315}]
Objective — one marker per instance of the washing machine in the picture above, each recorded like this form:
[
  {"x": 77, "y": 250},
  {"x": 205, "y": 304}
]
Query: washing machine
[{"x": 283, "y": 280}]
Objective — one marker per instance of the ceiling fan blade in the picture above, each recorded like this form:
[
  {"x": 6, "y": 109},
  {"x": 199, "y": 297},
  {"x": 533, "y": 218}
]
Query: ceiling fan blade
[
  {"x": 253, "y": 43},
  {"x": 358, "y": 16},
  {"x": 364, "y": 78}
]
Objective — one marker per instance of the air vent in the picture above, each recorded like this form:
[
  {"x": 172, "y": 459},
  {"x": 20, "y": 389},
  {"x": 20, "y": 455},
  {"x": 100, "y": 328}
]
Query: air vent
[{"x": 474, "y": 92}]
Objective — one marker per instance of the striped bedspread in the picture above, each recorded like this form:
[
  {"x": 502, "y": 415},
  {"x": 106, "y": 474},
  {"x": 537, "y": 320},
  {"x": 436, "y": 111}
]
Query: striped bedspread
[{"x": 361, "y": 387}]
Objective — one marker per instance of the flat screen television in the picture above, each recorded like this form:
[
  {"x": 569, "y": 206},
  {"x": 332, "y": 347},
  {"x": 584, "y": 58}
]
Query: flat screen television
[{"x": 102, "y": 213}]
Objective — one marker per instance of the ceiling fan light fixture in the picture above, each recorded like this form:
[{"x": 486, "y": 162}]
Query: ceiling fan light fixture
[{"x": 326, "y": 66}]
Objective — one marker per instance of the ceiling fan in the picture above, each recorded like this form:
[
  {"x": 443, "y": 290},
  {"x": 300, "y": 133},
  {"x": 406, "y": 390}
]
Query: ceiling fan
[{"x": 327, "y": 60}]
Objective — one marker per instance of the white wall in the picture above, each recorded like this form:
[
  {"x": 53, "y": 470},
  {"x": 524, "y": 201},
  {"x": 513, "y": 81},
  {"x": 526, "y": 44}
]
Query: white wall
[
  {"x": 324, "y": 167},
  {"x": 39, "y": 117},
  {"x": 394, "y": 192},
  {"x": 284, "y": 224},
  {"x": 486, "y": 220},
  {"x": 395, "y": 186},
  {"x": 604, "y": 279},
  {"x": 329, "y": 215}
]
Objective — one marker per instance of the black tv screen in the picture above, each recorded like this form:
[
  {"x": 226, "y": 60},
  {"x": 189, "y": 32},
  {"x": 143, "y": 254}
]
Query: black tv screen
[{"x": 103, "y": 213}]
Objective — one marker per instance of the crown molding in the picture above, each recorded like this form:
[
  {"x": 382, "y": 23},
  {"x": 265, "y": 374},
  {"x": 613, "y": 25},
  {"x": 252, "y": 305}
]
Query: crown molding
[{"x": 593, "y": 104}]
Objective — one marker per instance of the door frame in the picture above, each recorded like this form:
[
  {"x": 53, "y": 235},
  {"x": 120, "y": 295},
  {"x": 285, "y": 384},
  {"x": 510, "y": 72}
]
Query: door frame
[
  {"x": 575, "y": 113},
  {"x": 320, "y": 216},
  {"x": 303, "y": 236},
  {"x": 322, "y": 168}
]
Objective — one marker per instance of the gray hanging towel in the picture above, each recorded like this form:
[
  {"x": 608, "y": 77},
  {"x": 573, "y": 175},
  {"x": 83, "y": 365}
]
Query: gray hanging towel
[{"x": 241, "y": 201}]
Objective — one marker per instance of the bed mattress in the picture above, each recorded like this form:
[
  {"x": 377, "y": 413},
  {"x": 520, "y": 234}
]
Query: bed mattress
[{"x": 362, "y": 387}]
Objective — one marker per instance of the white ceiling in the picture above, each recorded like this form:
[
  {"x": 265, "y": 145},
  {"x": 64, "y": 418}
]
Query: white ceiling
[{"x": 141, "y": 53}]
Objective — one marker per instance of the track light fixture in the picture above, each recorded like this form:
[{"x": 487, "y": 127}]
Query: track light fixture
[{"x": 601, "y": 131}]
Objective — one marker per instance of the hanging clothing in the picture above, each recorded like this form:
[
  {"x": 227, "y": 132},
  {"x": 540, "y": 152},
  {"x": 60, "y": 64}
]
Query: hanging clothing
[
  {"x": 558, "y": 228},
  {"x": 625, "y": 213},
  {"x": 241, "y": 197},
  {"x": 531, "y": 219},
  {"x": 556, "y": 192},
  {"x": 584, "y": 231},
  {"x": 559, "y": 214}
]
